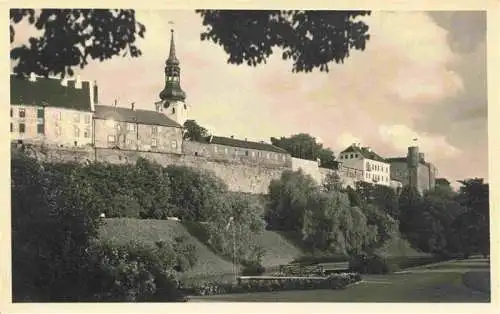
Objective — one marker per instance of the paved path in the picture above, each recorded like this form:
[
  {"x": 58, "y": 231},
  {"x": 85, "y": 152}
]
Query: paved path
[{"x": 452, "y": 281}]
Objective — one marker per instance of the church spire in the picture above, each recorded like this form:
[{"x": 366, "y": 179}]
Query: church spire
[
  {"x": 171, "y": 57},
  {"x": 172, "y": 91}
]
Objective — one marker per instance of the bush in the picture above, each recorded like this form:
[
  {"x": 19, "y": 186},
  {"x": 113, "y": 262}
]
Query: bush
[
  {"x": 371, "y": 264},
  {"x": 312, "y": 259},
  {"x": 134, "y": 273},
  {"x": 253, "y": 269}
]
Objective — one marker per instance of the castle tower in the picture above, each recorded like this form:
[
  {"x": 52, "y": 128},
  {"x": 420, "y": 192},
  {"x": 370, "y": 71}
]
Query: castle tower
[
  {"x": 413, "y": 161},
  {"x": 172, "y": 97}
]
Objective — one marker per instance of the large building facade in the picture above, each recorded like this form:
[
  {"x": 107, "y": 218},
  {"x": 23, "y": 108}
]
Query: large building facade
[{"x": 61, "y": 113}]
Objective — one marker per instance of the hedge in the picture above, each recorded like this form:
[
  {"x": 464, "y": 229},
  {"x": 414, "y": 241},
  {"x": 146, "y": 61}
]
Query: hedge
[{"x": 337, "y": 281}]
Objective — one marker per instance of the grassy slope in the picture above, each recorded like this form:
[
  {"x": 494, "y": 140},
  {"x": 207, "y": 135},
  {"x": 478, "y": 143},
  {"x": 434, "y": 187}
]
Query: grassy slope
[
  {"x": 278, "y": 249},
  {"x": 122, "y": 230}
]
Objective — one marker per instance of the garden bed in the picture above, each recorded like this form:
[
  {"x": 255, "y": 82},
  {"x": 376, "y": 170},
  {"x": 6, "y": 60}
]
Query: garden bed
[{"x": 273, "y": 283}]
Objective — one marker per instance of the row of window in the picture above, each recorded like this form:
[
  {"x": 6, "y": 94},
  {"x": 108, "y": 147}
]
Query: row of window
[
  {"x": 252, "y": 153},
  {"x": 40, "y": 114},
  {"x": 377, "y": 177},
  {"x": 40, "y": 129},
  {"x": 131, "y": 127},
  {"x": 349, "y": 156},
  {"x": 112, "y": 139},
  {"x": 376, "y": 167}
]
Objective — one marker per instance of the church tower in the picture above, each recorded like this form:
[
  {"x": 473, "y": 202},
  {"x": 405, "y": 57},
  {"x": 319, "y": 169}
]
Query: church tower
[{"x": 172, "y": 97}]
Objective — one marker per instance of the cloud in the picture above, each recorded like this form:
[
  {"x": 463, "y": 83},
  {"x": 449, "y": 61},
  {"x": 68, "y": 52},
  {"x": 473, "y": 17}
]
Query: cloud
[
  {"x": 346, "y": 139},
  {"x": 401, "y": 136}
]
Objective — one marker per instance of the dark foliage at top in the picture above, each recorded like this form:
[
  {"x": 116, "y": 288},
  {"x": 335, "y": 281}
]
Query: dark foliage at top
[
  {"x": 311, "y": 39},
  {"x": 71, "y": 36}
]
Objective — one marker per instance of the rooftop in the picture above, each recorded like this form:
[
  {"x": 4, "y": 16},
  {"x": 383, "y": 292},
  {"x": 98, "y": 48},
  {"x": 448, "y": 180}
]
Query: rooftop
[
  {"x": 227, "y": 141},
  {"x": 134, "y": 116},
  {"x": 365, "y": 152},
  {"x": 50, "y": 92}
]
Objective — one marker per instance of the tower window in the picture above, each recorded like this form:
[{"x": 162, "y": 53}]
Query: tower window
[
  {"x": 22, "y": 127},
  {"x": 40, "y": 128},
  {"x": 22, "y": 113},
  {"x": 173, "y": 110},
  {"x": 39, "y": 113}
]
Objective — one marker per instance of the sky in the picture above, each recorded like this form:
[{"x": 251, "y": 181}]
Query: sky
[{"x": 422, "y": 75}]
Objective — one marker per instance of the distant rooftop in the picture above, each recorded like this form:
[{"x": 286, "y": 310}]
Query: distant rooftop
[
  {"x": 227, "y": 141},
  {"x": 364, "y": 151},
  {"x": 122, "y": 114}
]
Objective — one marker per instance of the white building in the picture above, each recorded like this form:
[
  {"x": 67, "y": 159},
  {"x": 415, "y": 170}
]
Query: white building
[{"x": 375, "y": 169}]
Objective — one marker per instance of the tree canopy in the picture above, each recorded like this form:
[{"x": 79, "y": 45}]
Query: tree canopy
[
  {"x": 194, "y": 131},
  {"x": 70, "y": 37},
  {"x": 304, "y": 146},
  {"x": 311, "y": 39}
]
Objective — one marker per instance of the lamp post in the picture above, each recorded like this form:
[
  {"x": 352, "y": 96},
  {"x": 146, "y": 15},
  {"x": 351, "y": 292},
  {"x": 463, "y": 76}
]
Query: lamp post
[{"x": 231, "y": 222}]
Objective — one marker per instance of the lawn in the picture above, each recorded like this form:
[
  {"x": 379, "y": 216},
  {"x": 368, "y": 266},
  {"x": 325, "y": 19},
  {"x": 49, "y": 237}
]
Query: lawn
[{"x": 431, "y": 286}]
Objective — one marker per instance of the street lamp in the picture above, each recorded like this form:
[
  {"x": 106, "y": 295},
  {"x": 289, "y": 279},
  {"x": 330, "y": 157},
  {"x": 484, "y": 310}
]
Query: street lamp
[{"x": 231, "y": 222}]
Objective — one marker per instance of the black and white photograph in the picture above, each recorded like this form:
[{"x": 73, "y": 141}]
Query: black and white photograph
[{"x": 248, "y": 155}]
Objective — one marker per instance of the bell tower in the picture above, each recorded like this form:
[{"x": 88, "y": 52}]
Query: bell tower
[{"x": 172, "y": 97}]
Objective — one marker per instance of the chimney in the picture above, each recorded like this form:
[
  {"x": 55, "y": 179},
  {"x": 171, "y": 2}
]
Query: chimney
[
  {"x": 32, "y": 77},
  {"x": 368, "y": 149},
  {"x": 78, "y": 82},
  {"x": 96, "y": 93},
  {"x": 133, "y": 106},
  {"x": 116, "y": 102},
  {"x": 232, "y": 136},
  {"x": 246, "y": 139}
]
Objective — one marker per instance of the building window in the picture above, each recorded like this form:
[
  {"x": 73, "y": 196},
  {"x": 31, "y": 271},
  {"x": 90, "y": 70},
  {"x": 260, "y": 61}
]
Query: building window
[
  {"x": 355, "y": 155},
  {"x": 173, "y": 110},
  {"x": 76, "y": 131},
  {"x": 76, "y": 118},
  {"x": 129, "y": 142},
  {"x": 86, "y": 133},
  {"x": 154, "y": 142},
  {"x": 22, "y": 113},
  {"x": 174, "y": 144},
  {"x": 118, "y": 127},
  {"x": 131, "y": 127},
  {"x": 253, "y": 154},
  {"x": 22, "y": 128},
  {"x": 225, "y": 150},
  {"x": 246, "y": 153},
  {"x": 11, "y": 112},
  {"x": 39, "y": 113},
  {"x": 40, "y": 128},
  {"x": 267, "y": 155},
  {"x": 215, "y": 149},
  {"x": 11, "y": 126},
  {"x": 111, "y": 139},
  {"x": 154, "y": 129},
  {"x": 87, "y": 119}
]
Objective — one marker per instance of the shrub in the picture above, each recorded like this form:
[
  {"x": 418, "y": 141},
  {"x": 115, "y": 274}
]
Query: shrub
[
  {"x": 253, "y": 269},
  {"x": 134, "y": 273},
  {"x": 123, "y": 206},
  {"x": 371, "y": 264}
]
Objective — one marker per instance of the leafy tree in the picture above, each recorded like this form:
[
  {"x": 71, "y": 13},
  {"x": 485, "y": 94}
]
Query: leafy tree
[
  {"x": 242, "y": 230},
  {"x": 311, "y": 39},
  {"x": 290, "y": 196},
  {"x": 55, "y": 217},
  {"x": 192, "y": 191},
  {"x": 331, "y": 224},
  {"x": 332, "y": 182},
  {"x": 304, "y": 146},
  {"x": 194, "y": 131},
  {"x": 474, "y": 224},
  {"x": 71, "y": 36}
]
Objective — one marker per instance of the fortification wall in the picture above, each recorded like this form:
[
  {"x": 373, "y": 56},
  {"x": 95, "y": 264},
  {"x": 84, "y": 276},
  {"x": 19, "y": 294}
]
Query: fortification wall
[{"x": 309, "y": 167}]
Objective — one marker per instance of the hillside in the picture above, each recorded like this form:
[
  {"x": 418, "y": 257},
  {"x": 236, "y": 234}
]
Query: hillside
[{"x": 278, "y": 250}]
